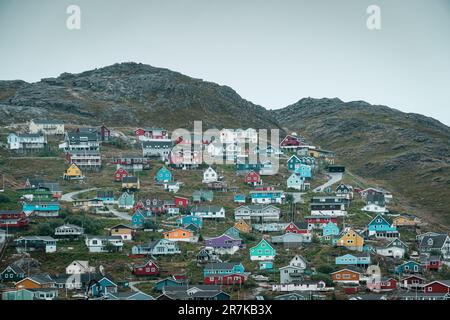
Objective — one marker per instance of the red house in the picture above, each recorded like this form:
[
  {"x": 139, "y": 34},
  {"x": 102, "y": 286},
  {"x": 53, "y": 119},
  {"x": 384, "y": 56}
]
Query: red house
[
  {"x": 229, "y": 279},
  {"x": 181, "y": 202},
  {"x": 148, "y": 269},
  {"x": 13, "y": 219},
  {"x": 437, "y": 286},
  {"x": 432, "y": 263},
  {"x": 290, "y": 141},
  {"x": 319, "y": 221},
  {"x": 412, "y": 282},
  {"x": 252, "y": 178},
  {"x": 297, "y": 227},
  {"x": 120, "y": 174},
  {"x": 388, "y": 284}
]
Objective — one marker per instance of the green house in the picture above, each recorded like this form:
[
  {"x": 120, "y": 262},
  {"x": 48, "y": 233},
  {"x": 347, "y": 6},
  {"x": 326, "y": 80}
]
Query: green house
[
  {"x": 262, "y": 251},
  {"x": 202, "y": 195},
  {"x": 12, "y": 273},
  {"x": 22, "y": 294},
  {"x": 126, "y": 200}
]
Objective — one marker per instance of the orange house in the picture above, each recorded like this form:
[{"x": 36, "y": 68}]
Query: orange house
[
  {"x": 180, "y": 234},
  {"x": 404, "y": 222},
  {"x": 346, "y": 276},
  {"x": 243, "y": 226},
  {"x": 350, "y": 239},
  {"x": 35, "y": 282}
]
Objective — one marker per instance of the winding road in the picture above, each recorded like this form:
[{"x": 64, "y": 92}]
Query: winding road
[
  {"x": 69, "y": 197},
  {"x": 334, "y": 178}
]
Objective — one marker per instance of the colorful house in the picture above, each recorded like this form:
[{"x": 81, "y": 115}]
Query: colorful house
[
  {"x": 126, "y": 232},
  {"x": 403, "y": 221},
  {"x": 265, "y": 265},
  {"x": 73, "y": 173},
  {"x": 293, "y": 163},
  {"x": 379, "y": 226},
  {"x": 41, "y": 208},
  {"x": 180, "y": 234},
  {"x": 303, "y": 171},
  {"x": 138, "y": 219},
  {"x": 243, "y": 226},
  {"x": 224, "y": 244},
  {"x": 346, "y": 276},
  {"x": 163, "y": 175},
  {"x": 181, "y": 202},
  {"x": 262, "y": 251},
  {"x": 120, "y": 174},
  {"x": 239, "y": 198},
  {"x": 157, "y": 248},
  {"x": 187, "y": 220},
  {"x": 264, "y": 197},
  {"x": 150, "y": 268},
  {"x": 12, "y": 273},
  {"x": 233, "y": 232},
  {"x": 126, "y": 200},
  {"x": 330, "y": 230},
  {"x": 351, "y": 240},
  {"x": 225, "y": 273},
  {"x": 409, "y": 267},
  {"x": 252, "y": 178},
  {"x": 103, "y": 287},
  {"x": 297, "y": 227},
  {"x": 107, "y": 197},
  {"x": 35, "y": 282}
]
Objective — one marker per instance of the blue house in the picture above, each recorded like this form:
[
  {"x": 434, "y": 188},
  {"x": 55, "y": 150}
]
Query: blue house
[
  {"x": 245, "y": 167},
  {"x": 293, "y": 162},
  {"x": 265, "y": 265},
  {"x": 351, "y": 259},
  {"x": 269, "y": 196},
  {"x": 233, "y": 232},
  {"x": 223, "y": 268},
  {"x": 297, "y": 182},
  {"x": 107, "y": 197},
  {"x": 40, "y": 208},
  {"x": 187, "y": 220},
  {"x": 303, "y": 171},
  {"x": 239, "y": 198},
  {"x": 138, "y": 219},
  {"x": 168, "y": 282},
  {"x": 329, "y": 230},
  {"x": 163, "y": 175},
  {"x": 103, "y": 287},
  {"x": 409, "y": 267},
  {"x": 379, "y": 224}
]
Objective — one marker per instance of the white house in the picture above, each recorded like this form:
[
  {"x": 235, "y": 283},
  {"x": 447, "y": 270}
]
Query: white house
[
  {"x": 257, "y": 213},
  {"x": 79, "y": 267},
  {"x": 375, "y": 208},
  {"x": 208, "y": 212},
  {"x": 210, "y": 175},
  {"x": 26, "y": 141},
  {"x": 302, "y": 286},
  {"x": 69, "y": 230},
  {"x": 172, "y": 186},
  {"x": 98, "y": 244}
]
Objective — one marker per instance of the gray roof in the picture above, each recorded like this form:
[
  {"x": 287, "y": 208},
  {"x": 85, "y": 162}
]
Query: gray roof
[
  {"x": 438, "y": 241},
  {"x": 206, "y": 208},
  {"x": 157, "y": 144},
  {"x": 221, "y": 265}
]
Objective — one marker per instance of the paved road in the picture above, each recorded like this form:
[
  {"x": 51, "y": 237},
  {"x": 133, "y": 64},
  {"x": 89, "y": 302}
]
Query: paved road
[
  {"x": 69, "y": 197},
  {"x": 119, "y": 214},
  {"x": 334, "y": 178}
]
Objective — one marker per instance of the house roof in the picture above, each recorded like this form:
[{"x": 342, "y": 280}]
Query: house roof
[
  {"x": 207, "y": 208},
  {"x": 130, "y": 179},
  {"x": 105, "y": 194},
  {"x": 221, "y": 265},
  {"x": 437, "y": 241}
]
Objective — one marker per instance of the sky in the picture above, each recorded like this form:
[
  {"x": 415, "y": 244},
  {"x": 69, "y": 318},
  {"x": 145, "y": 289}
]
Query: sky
[{"x": 272, "y": 52}]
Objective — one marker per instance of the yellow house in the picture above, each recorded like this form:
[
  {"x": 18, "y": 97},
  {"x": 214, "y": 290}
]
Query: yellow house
[
  {"x": 243, "y": 226},
  {"x": 131, "y": 183},
  {"x": 350, "y": 239},
  {"x": 73, "y": 172},
  {"x": 404, "y": 222},
  {"x": 124, "y": 231}
]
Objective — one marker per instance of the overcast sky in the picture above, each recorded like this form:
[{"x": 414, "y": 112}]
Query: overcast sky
[{"x": 272, "y": 52}]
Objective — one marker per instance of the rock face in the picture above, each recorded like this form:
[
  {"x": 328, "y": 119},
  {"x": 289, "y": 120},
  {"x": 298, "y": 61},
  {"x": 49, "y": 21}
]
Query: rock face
[
  {"x": 130, "y": 94},
  {"x": 410, "y": 153}
]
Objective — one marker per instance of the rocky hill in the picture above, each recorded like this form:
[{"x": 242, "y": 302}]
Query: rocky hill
[
  {"x": 407, "y": 153},
  {"x": 130, "y": 94}
]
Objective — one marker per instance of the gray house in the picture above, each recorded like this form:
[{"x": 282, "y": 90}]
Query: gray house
[
  {"x": 257, "y": 213},
  {"x": 292, "y": 240}
]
